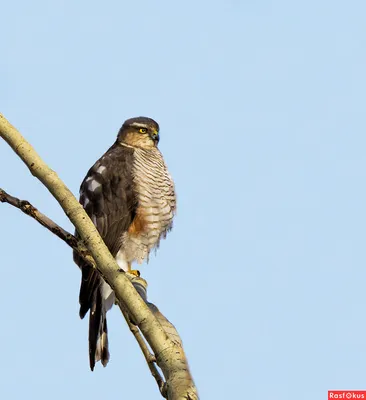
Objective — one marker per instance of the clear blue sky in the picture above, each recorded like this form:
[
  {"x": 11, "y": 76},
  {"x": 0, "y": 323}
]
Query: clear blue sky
[{"x": 262, "y": 114}]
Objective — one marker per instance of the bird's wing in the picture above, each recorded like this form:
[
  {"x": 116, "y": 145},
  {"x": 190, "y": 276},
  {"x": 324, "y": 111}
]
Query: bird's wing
[{"x": 107, "y": 195}]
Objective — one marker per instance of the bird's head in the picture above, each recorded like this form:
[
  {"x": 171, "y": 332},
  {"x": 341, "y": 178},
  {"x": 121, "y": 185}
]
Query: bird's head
[{"x": 140, "y": 132}]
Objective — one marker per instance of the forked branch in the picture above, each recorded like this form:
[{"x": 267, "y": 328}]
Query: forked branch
[
  {"x": 158, "y": 332},
  {"x": 79, "y": 246}
]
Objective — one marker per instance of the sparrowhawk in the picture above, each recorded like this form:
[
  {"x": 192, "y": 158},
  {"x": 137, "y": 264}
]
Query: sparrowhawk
[{"x": 130, "y": 197}]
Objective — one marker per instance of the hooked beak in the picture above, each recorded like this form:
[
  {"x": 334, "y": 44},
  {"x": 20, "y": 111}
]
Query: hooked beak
[{"x": 155, "y": 136}]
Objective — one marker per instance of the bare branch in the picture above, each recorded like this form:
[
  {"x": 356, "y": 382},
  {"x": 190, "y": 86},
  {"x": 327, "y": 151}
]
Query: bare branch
[
  {"x": 78, "y": 245},
  {"x": 67, "y": 237},
  {"x": 150, "y": 358},
  {"x": 169, "y": 353}
]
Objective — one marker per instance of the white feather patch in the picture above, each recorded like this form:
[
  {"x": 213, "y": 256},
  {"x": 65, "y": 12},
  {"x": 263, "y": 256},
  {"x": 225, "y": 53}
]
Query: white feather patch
[
  {"x": 139, "y": 124},
  {"x": 101, "y": 169},
  {"x": 93, "y": 185},
  {"x": 107, "y": 295},
  {"x": 121, "y": 261}
]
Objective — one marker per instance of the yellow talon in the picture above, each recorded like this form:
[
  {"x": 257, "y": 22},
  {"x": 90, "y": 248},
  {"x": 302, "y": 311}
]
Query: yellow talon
[{"x": 132, "y": 271}]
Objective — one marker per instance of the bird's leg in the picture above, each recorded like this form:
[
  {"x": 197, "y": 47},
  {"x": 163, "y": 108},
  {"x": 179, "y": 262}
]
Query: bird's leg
[{"x": 132, "y": 271}]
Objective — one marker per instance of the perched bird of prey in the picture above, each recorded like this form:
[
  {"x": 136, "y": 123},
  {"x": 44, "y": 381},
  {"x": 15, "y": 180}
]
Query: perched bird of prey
[{"x": 129, "y": 195}]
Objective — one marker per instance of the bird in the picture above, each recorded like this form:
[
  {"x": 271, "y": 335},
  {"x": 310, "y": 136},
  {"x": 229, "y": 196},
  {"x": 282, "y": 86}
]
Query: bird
[{"x": 130, "y": 197}]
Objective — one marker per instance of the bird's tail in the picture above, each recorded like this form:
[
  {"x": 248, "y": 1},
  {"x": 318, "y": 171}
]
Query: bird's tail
[{"x": 98, "y": 332}]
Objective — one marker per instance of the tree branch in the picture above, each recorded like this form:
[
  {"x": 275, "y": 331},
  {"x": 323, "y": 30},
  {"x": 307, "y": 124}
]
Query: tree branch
[
  {"x": 159, "y": 333},
  {"x": 78, "y": 246},
  {"x": 67, "y": 237}
]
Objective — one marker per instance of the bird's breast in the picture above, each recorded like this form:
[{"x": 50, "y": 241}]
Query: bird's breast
[{"x": 155, "y": 194}]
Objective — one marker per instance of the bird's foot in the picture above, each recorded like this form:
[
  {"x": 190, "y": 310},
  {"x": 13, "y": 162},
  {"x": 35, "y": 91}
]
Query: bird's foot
[{"x": 134, "y": 272}]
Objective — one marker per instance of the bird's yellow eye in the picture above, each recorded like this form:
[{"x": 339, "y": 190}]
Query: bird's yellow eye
[{"x": 142, "y": 130}]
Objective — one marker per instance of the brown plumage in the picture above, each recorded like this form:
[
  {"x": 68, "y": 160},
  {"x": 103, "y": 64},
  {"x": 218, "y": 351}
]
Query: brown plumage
[{"x": 130, "y": 197}]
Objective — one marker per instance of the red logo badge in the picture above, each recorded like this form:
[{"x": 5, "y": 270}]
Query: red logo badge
[{"x": 346, "y": 394}]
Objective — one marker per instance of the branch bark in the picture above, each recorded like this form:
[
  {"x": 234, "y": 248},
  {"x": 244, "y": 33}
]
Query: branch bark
[{"x": 159, "y": 333}]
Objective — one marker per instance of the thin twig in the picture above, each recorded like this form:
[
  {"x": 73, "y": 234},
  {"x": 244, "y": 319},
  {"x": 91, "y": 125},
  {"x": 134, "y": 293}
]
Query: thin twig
[
  {"x": 149, "y": 357},
  {"x": 46, "y": 222}
]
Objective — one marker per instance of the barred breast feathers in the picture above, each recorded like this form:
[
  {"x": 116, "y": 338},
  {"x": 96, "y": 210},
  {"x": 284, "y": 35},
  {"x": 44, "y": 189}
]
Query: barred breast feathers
[{"x": 156, "y": 203}]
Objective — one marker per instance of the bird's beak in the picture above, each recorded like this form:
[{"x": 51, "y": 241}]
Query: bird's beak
[{"x": 155, "y": 136}]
